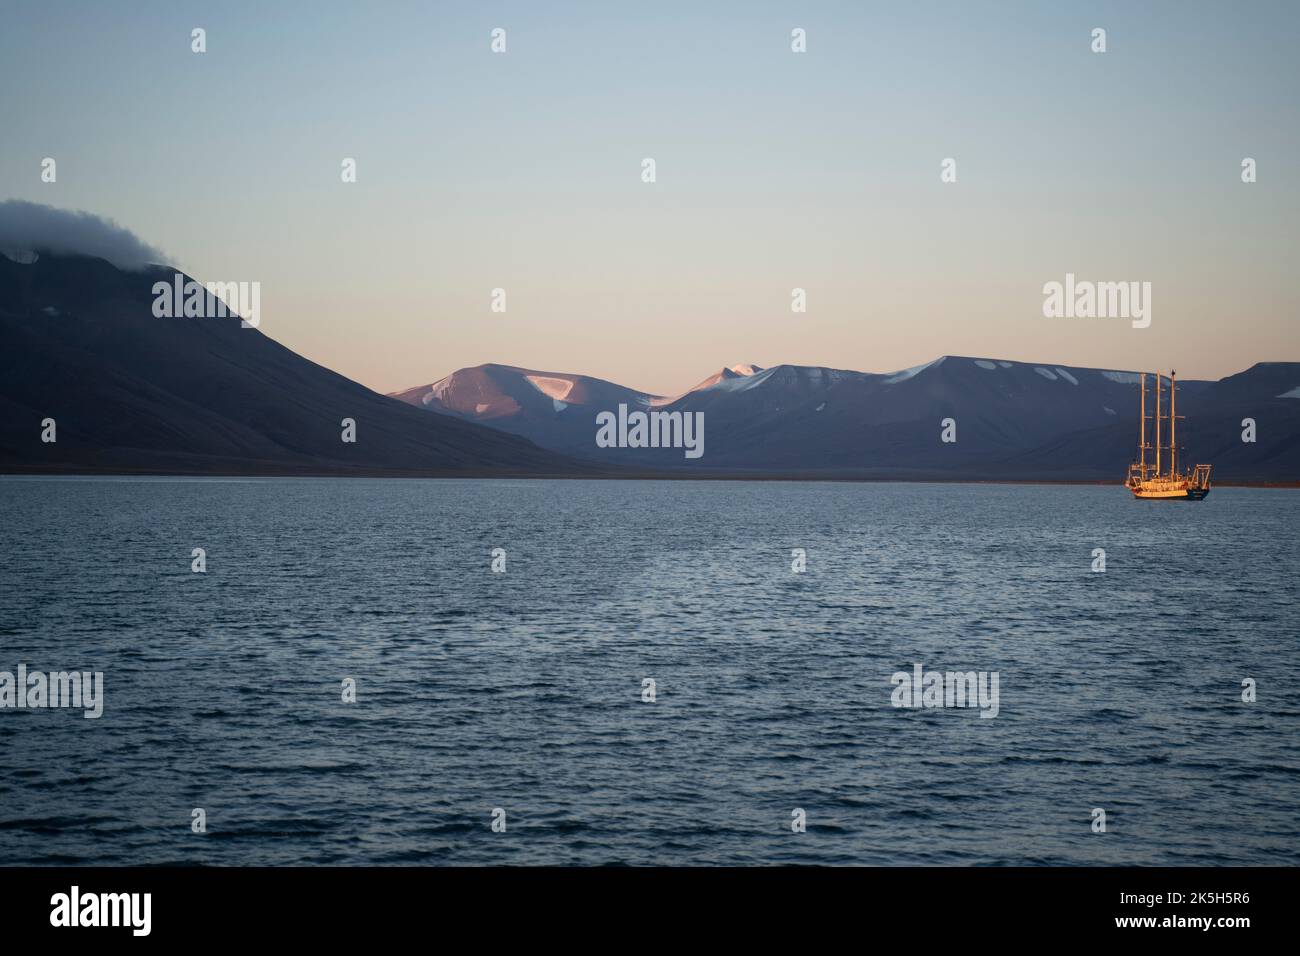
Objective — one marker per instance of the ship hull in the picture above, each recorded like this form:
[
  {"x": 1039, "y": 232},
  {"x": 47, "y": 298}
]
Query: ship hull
[{"x": 1171, "y": 494}]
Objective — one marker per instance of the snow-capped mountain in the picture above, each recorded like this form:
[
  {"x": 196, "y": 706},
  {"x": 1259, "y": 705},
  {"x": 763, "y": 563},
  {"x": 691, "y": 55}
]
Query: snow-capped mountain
[
  {"x": 1012, "y": 419},
  {"x": 554, "y": 409}
]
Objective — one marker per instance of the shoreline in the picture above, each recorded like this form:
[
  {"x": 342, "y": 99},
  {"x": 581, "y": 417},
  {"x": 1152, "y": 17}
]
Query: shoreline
[{"x": 810, "y": 477}]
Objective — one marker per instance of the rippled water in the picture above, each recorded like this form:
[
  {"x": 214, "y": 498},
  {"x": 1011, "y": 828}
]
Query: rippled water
[{"x": 522, "y": 690}]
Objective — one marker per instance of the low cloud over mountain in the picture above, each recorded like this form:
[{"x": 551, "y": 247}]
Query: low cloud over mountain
[{"x": 30, "y": 226}]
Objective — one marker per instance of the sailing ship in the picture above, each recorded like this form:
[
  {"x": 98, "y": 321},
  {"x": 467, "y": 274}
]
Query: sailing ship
[{"x": 1153, "y": 481}]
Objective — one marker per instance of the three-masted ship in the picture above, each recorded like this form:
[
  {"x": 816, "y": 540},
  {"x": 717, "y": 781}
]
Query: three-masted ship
[{"x": 1154, "y": 481}]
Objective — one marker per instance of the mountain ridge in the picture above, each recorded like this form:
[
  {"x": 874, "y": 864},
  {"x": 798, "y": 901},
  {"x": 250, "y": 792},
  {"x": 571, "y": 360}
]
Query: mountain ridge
[
  {"x": 135, "y": 393},
  {"x": 1036, "y": 421}
]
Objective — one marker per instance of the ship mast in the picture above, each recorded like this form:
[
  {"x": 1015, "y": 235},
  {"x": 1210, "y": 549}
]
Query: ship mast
[
  {"x": 1173, "y": 423},
  {"x": 1142, "y": 428},
  {"x": 1157, "y": 424}
]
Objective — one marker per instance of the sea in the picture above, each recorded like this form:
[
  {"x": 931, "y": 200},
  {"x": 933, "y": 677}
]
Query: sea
[{"x": 336, "y": 671}]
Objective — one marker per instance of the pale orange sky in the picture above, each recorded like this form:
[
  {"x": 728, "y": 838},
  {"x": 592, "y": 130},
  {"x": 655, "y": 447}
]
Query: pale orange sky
[{"x": 775, "y": 170}]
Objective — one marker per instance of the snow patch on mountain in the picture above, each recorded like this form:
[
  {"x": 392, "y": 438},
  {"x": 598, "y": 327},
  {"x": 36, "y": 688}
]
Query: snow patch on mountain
[
  {"x": 438, "y": 388},
  {"x": 1124, "y": 378},
  {"x": 553, "y": 388},
  {"x": 912, "y": 372},
  {"x": 24, "y": 257},
  {"x": 1066, "y": 375},
  {"x": 1294, "y": 393},
  {"x": 743, "y": 383},
  {"x": 985, "y": 363},
  {"x": 1046, "y": 373}
]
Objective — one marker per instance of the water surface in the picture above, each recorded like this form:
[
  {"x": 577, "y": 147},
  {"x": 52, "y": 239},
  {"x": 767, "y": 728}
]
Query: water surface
[{"x": 1118, "y": 690}]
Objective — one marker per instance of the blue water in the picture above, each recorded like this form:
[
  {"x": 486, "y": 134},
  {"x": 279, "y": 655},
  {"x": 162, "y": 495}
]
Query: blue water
[{"x": 522, "y": 690}]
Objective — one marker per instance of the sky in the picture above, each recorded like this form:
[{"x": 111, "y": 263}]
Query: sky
[{"x": 774, "y": 171}]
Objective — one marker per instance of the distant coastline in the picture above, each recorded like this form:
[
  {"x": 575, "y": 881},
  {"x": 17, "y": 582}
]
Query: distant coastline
[{"x": 597, "y": 475}]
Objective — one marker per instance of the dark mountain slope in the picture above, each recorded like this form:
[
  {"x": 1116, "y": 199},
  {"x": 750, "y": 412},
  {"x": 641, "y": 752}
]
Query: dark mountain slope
[
  {"x": 132, "y": 392},
  {"x": 1209, "y": 431}
]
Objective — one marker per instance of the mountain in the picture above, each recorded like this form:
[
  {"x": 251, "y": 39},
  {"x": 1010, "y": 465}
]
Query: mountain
[
  {"x": 1211, "y": 431},
  {"x": 548, "y": 405},
  {"x": 1014, "y": 420},
  {"x": 554, "y": 409},
  {"x": 131, "y": 392}
]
